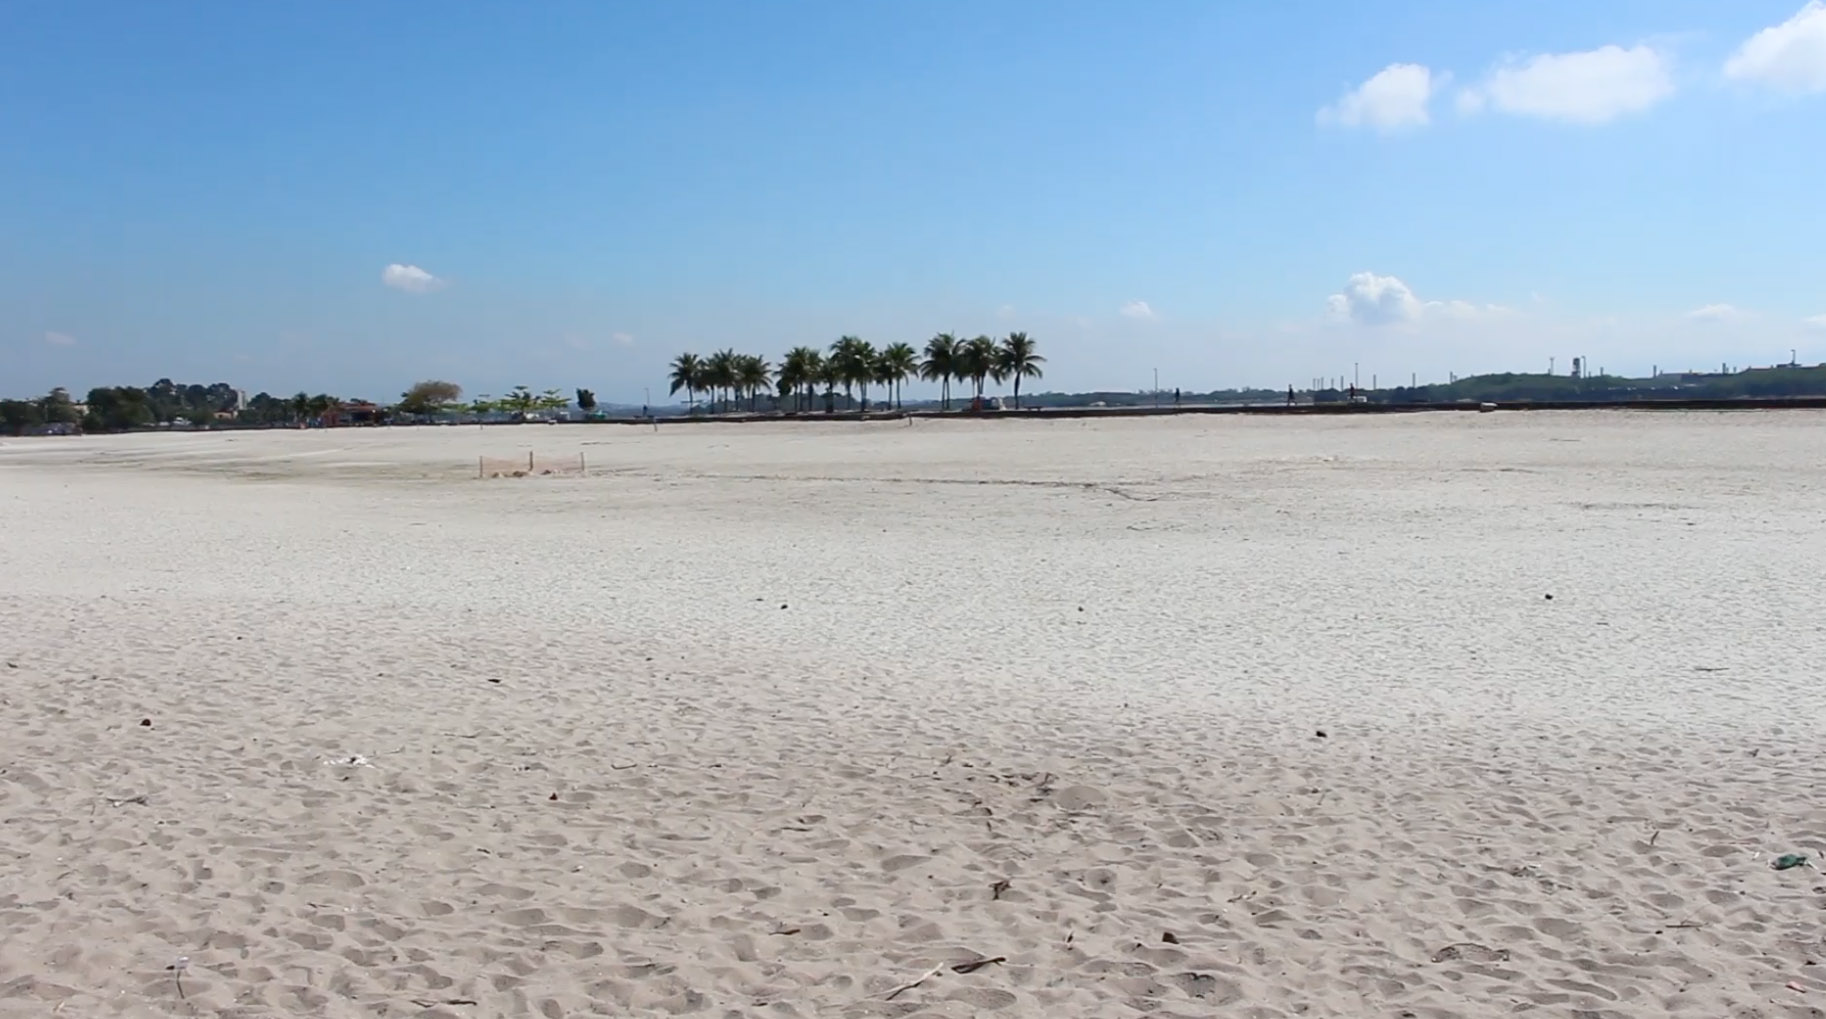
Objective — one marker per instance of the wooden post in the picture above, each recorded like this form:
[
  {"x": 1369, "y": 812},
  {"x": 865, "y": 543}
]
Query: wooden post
[
  {"x": 581, "y": 469},
  {"x": 529, "y": 461},
  {"x": 480, "y": 473}
]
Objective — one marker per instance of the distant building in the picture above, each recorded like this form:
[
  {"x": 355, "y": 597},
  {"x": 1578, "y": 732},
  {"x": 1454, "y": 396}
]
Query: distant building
[{"x": 353, "y": 412}]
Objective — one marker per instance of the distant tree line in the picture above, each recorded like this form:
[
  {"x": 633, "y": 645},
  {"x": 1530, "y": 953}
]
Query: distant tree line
[{"x": 1751, "y": 383}]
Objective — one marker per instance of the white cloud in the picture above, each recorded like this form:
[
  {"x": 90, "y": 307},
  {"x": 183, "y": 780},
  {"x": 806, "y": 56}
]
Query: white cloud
[
  {"x": 1372, "y": 300},
  {"x": 622, "y": 339},
  {"x": 1790, "y": 57},
  {"x": 1717, "y": 313},
  {"x": 60, "y": 339},
  {"x": 1816, "y": 321},
  {"x": 1393, "y": 99},
  {"x": 410, "y": 278},
  {"x": 1138, "y": 310},
  {"x": 1589, "y": 87},
  {"x": 1005, "y": 312}
]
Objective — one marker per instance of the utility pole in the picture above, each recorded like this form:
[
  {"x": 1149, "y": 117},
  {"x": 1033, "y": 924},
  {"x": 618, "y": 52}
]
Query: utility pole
[
  {"x": 1157, "y": 387},
  {"x": 1550, "y": 366},
  {"x": 1356, "y": 375}
]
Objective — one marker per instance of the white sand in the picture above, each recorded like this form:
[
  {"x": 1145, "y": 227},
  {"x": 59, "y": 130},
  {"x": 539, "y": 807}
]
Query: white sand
[{"x": 805, "y": 695}]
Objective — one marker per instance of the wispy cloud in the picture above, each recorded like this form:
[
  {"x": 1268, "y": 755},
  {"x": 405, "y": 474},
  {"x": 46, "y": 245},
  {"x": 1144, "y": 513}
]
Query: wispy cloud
[
  {"x": 1816, "y": 321},
  {"x": 1393, "y": 99},
  {"x": 1789, "y": 57},
  {"x": 60, "y": 339},
  {"x": 622, "y": 339},
  {"x": 1717, "y": 313},
  {"x": 1005, "y": 313},
  {"x": 1587, "y": 87},
  {"x": 1139, "y": 311},
  {"x": 410, "y": 278}
]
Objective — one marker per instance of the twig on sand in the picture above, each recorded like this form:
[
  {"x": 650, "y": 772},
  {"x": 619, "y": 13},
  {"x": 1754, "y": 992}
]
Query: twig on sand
[
  {"x": 975, "y": 964},
  {"x": 431, "y": 1002},
  {"x": 139, "y": 800},
  {"x": 923, "y": 977},
  {"x": 1652, "y": 838}
]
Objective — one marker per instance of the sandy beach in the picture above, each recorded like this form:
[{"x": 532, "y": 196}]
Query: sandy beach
[{"x": 1406, "y": 716}]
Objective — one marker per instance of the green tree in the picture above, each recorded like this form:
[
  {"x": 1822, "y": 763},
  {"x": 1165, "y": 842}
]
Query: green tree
[
  {"x": 830, "y": 375},
  {"x": 117, "y": 409},
  {"x": 897, "y": 363},
  {"x": 790, "y": 377},
  {"x": 429, "y": 397},
  {"x": 941, "y": 364},
  {"x": 521, "y": 401},
  {"x": 721, "y": 372},
  {"x": 753, "y": 374},
  {"x": 57, "y": 407},
  {"x": 18, "y": 416},
  {"x": 854, "y": 360},
  {"x": 301, "y": 407},
  {"x": 1017, "y": 359},
  {"x": 687, "y": 371},
  {"x": 979, "y": 361}
]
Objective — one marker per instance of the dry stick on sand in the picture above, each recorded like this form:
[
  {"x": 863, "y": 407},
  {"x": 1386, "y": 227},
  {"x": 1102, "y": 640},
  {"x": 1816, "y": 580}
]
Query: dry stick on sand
[
  {"x": 923, "y": 977},
  {"x": 970, "y": 966}
]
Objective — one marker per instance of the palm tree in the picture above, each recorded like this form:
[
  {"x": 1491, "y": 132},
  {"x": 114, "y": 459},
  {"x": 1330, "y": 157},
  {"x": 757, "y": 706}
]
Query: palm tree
[
  {"x": 301, "y": 406},
  {"x": 322, "y": 404},
  {"x": 898, "y": 361},
  {"x": 830, "y": 374},
  {"x": 851, "y": 358},
  {"x": 753, "y": 374},
  {"x": 940, "y": 364},
  {"x": 799, "y": 374},
  {"x": 1017, "y": 359},
  {"x": 978, "y": 362},
  {"x": 791, "y": 375},
  {"x": 722, "y": 371},
  {"x": 686, "y": 370}
]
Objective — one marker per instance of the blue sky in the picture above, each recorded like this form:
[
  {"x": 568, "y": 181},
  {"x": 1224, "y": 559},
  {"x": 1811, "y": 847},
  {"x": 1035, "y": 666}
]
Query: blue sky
[{"x": 349, "y": 197}]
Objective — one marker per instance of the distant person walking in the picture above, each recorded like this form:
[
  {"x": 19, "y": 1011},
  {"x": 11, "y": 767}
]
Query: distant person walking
[
  {"x": 1289, "y": 396},
  {"x": 1175, "y": 396}
]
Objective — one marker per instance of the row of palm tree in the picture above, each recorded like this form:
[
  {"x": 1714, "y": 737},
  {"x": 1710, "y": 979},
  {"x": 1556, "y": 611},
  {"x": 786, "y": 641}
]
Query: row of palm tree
[{"x": 854, "y": 364}]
